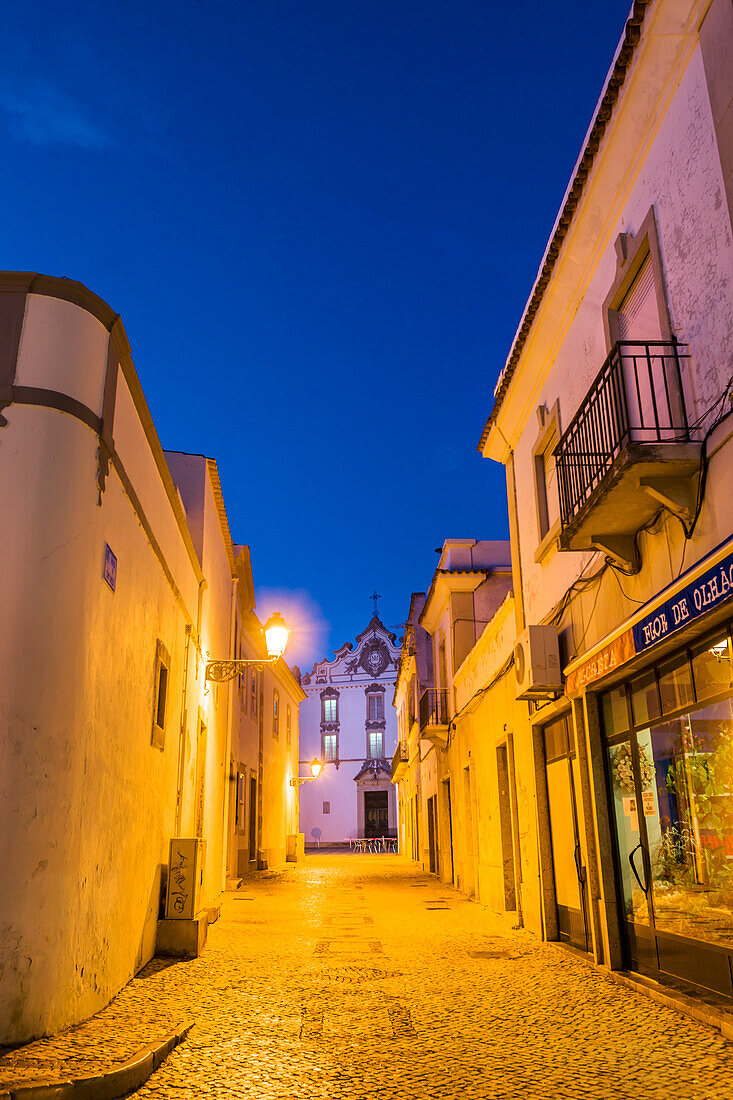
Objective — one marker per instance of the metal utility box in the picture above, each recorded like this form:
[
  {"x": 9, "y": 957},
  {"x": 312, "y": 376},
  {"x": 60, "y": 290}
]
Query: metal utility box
[{"x": 185, "y": 876}]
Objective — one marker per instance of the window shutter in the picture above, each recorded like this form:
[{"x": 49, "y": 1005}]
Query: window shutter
[{"x": 638, "y": 314}]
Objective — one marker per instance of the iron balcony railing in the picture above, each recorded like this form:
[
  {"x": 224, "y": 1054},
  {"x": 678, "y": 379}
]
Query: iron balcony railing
[
  {"x": 433, "y": 708},
  {"x": 400, "y": 757},
  {"x": 636, "y": 397}
]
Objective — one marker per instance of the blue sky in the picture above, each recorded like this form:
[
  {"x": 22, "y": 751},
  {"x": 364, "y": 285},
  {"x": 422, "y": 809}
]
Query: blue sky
[{"x": 320, "y": 221}]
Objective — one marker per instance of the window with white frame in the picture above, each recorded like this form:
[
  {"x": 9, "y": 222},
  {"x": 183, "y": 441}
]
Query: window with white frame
[
  {"x": 160, "y": 702},
  {"x": 329, "y": 747},
  {"x": 375, "y": 707},
  {"x": 547, "y": 490},
  {"x": 376, "y": 744}
]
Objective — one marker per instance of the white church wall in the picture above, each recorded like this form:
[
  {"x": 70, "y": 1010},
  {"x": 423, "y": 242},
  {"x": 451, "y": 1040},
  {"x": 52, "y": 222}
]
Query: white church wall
[{"x": 369, "y": 667}]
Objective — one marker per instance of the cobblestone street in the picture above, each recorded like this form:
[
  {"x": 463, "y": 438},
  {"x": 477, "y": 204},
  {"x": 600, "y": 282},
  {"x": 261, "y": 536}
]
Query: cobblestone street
[{"x": 356, "y": 977}]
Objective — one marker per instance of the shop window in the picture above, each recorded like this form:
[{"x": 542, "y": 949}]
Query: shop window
[
  {"x": 712, "y": 669},
  {"x": 689, "y": 823},
  {"x": 645, "y": 699},
  {"x": 675, "y": 685},
  {"x": 275, "y": 714},
  {"x": 615, "y": 711},
  {"x": 329, "y": 746},
  {"x": 376, "y": 745}
]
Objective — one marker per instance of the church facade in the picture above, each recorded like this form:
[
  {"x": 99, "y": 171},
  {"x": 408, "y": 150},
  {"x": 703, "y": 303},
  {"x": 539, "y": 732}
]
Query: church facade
[{"x": 347, "y": 720}]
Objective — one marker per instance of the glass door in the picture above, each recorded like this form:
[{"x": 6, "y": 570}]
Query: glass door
[{"x": 632, "y": 854}]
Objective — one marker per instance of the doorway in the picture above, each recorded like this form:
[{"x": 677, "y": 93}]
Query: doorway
[
  {"x": 415, "y": 828},
  {"x": 569, "y": 872},
  {"x": 433, "y": 834},
  {"x": 505, "y": 825},
  {"x": 469, "y": 866},
  {"x": 449, "y": 808},
  {"x": 376, "y": 814},
  {"x": 252, "y": 819}
]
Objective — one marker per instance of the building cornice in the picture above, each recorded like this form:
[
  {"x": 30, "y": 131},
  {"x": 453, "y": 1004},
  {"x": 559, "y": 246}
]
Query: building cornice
[{"x": 446, "y": 581}]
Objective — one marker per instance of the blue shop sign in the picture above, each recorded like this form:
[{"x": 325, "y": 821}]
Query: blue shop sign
[{"x": 712, "y": 588}]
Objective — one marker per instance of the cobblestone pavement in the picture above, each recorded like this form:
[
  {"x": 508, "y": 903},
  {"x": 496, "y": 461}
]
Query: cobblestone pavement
[{"x": 354, "y": 977}]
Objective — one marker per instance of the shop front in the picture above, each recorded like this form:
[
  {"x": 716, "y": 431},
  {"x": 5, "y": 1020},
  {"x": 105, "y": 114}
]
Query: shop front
[
  {"x": 669, "y": 746},
  {"x": 667, "y": 731}
]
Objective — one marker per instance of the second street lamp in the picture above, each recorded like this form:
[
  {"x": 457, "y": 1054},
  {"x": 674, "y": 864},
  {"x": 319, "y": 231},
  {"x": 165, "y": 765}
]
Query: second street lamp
[{"x": 316, "y": 768}]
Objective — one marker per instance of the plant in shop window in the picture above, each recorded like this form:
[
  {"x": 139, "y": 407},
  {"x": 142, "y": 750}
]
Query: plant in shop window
[
  {"x": 623, "y": 771},
  {"x": 700, "y": 781}
]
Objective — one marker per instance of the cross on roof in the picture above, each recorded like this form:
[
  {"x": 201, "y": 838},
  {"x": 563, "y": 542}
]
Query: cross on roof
[{"x": 375, "y": 596}]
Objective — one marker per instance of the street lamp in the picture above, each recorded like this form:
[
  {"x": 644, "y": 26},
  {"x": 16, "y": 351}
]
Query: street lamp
[
  {"x": 276, "y": 635},
  {"x": 316, "y": 768},
  {"x": 276, "y": 638}
]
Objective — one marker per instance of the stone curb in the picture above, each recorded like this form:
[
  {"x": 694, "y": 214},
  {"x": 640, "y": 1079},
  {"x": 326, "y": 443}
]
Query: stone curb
[
  {"x": 719, "y": 1019},
  {"x": 117, "y": 1082}
]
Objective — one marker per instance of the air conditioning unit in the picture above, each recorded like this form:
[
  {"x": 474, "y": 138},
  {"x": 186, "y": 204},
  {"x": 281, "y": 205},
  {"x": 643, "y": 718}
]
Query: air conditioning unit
[{"x": 537, "y": 662}]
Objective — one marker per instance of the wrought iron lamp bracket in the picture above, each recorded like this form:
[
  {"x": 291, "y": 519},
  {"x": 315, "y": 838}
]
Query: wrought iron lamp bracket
[{"x": 221, "y": 671}]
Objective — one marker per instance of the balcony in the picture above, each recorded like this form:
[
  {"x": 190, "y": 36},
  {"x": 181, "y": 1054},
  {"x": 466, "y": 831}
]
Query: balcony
[
  {"x": 627, "y": 452},
  {"x": 399, "y": 761},
  {"x": 434, "y": 717}
]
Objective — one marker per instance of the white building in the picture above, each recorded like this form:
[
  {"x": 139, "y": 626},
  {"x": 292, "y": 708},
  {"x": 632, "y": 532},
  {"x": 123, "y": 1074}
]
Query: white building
[
  {"x": 347, "y": 720},
  {"x": 613, "y": 418},
  {"x": 119, "y": 582}
]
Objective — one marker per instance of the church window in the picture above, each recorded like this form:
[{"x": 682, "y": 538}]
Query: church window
[
  {"x": 329, "y": 709},
  {"x": 375, "y": 708},
  {"x": 330, "y": 746},
  {"x": 376, "y": 750}
]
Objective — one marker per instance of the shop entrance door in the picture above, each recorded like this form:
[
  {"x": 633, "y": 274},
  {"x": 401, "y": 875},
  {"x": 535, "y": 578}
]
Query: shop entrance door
[{"x": 567, "y": 856}]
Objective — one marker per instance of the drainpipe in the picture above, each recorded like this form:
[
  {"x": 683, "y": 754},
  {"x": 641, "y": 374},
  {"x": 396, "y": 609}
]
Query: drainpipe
[
  {"x": 230, "y": 721},
  {"x": 196, "y": 641},
  {"x": 182, "y": 734},
  {"x": 261, "y": 865}
]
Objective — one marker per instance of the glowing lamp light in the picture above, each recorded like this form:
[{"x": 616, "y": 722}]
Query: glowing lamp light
[
  {"x": 316, "y": 767},
  {"x": 276, "y": 635}
]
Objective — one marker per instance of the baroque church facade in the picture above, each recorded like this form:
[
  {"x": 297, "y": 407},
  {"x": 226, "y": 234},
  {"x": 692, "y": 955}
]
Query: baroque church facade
[{"x": 347, "y": 720}]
